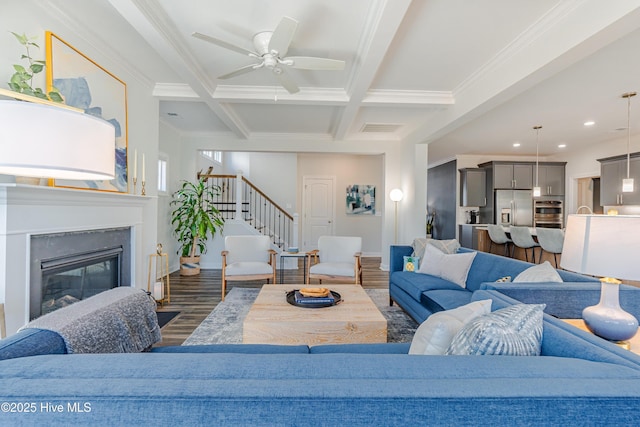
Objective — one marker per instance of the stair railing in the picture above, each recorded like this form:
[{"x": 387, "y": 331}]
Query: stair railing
[{"x": 239, "y": 198}]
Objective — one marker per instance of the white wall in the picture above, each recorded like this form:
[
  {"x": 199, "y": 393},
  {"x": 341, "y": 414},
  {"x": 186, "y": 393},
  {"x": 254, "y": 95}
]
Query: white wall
[
  {"x": 33, "y": 17},
  {"x": 170, "y": 146},
  {"x": 348, "y": 170}
]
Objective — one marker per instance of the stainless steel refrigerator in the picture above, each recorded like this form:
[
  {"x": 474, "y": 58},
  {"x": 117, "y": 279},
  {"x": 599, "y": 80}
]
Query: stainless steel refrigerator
[{"x": 514, "y": 207}]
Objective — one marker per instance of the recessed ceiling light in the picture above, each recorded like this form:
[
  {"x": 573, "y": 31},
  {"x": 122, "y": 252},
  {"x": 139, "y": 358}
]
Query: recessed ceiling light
[
  {"x": 562, "y": 145},
  {"x": 589, "y": 123},
  {"x": 516, "y": 144}
]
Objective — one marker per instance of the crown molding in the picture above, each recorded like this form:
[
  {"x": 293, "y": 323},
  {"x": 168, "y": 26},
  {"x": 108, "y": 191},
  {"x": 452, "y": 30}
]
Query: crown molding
[{"x": 89, "y": 36}]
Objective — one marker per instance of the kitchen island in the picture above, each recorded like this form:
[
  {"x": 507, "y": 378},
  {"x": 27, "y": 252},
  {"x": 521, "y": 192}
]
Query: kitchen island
[{"x": 484, "y": 242}]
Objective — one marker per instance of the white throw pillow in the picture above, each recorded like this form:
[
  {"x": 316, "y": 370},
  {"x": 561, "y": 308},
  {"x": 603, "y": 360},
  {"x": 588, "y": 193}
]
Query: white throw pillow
[
  {"x": 451, "y": 267},
  {"x": 539, "y": 273},
  {"x": 511, "y": 331},
  {"x": 435, "y": 334},
  {"x": 450, "y": 246}
]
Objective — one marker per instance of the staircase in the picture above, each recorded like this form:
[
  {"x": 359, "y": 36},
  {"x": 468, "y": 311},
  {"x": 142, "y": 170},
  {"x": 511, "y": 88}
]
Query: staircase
[{"x": 240, "y": 199}]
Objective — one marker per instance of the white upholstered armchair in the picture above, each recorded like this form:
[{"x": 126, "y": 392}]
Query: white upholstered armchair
[
  {"x": 247, "y": 258},
  {"x": 337, "y": 258}
]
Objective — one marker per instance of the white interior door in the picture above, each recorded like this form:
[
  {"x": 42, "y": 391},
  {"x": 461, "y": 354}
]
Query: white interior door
[{"x": 318, "y": 198}]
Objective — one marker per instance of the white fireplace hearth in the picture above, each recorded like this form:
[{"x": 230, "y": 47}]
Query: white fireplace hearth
[{"x": 27, "y": 211}]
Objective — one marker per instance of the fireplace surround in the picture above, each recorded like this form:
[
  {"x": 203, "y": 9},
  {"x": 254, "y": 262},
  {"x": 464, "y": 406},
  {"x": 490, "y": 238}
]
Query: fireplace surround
[
  {"x": 27, "y": 211},
  {"x": 71, "y": 266}
]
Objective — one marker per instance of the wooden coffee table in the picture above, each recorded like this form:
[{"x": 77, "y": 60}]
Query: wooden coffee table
[{"x": 272, "y": 320}]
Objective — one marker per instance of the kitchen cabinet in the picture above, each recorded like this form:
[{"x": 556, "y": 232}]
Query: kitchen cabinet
[
  {"x": 612, "y": 171},
  {"x": 469, "y": 236},
  {"x": 512, "y": 176},
  {"x": 551, "y": 179},
  {"x": 473, "y": 190}
]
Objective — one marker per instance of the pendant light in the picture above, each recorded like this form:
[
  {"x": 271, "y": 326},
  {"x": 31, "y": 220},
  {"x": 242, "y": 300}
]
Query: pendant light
[
  {"x": 627, "y": 183},
  {"x": 536, "y": 189}
]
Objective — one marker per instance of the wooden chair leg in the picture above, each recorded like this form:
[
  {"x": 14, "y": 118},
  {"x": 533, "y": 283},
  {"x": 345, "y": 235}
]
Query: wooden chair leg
[{"x": 224, "y": 288}]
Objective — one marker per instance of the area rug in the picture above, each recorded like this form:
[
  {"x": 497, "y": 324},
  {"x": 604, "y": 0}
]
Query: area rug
[
  {"x": 165, "y": 317},
  {"x": 224, "y": 323}
]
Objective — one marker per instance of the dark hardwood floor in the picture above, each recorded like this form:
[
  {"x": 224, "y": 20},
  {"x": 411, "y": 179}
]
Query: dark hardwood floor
[{"x": 196, "y": 296}]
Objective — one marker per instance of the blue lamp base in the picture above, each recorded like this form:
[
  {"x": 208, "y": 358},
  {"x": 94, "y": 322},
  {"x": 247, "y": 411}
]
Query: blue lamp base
[{"x": 607, "y": 319}]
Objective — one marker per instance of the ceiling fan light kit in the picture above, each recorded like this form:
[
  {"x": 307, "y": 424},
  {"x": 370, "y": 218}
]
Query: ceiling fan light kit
[{"x": 270, "y": 49}]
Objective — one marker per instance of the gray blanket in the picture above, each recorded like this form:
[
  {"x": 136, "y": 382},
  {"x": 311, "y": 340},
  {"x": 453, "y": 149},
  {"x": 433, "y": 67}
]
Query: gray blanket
[{"x": 121, "y": 320}]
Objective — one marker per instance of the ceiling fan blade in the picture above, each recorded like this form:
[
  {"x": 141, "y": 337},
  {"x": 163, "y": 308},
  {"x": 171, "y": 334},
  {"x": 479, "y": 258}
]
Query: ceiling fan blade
[
  {"x": 287, "y": 82},
  {"x": 239, "y": 71},
  {"x": 282, "y": 35},
  {"x": 224, "y": 44},
  {"x": 312, "y": 63}
]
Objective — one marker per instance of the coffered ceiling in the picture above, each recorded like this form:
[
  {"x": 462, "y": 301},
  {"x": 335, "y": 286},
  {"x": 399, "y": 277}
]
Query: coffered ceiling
[{"x": 468, "y": 77}]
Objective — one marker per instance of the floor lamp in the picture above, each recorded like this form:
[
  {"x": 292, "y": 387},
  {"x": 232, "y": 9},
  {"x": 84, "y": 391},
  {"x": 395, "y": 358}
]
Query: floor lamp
[{"x": 395, "y": 196}]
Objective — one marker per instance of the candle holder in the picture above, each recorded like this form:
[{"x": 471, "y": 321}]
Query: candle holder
[
  {"x": 135, "y": 181},
  {"x": 143, "y": 192}
]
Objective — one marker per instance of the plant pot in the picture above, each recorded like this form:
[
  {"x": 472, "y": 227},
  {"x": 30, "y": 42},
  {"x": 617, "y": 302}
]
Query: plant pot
[{"x": 189, "y": 266}]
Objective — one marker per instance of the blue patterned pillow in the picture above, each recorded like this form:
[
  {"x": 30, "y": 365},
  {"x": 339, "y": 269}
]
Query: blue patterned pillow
[
  {"x": 411, "y": 263},
  {"x": 512, "y": 331}
]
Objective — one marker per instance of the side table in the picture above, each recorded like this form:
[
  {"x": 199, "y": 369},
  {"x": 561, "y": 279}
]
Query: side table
[
  {"x": 296, "y": 255},
  {"x": 633, "y": 344}
]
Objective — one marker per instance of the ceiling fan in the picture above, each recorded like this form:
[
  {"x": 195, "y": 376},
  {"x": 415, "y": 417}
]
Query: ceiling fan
[{"x": 270, "y": 50}]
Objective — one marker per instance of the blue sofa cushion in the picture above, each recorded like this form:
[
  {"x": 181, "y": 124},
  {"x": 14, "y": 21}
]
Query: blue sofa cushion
[
  {"x": 359, "y": 389},
  {"x": 489, "y": 268},
  {"x": 566, "y": 301},
  {"x": 415, "y": 284},
  {"x": 445, "y": 299},
  {"x": 233, "y": 348},
  {"x": 32, "y": 342},
  {"x": 385, "y": 348}
]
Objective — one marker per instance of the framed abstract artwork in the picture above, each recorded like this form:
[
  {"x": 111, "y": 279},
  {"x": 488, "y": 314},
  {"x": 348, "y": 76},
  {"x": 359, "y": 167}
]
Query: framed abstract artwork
[
  {"x": 361, "y": 199},
  {"x": 86, "y": 85}
]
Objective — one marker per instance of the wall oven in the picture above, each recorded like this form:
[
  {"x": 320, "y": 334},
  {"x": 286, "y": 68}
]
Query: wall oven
[{"x": 548, "y": 214}]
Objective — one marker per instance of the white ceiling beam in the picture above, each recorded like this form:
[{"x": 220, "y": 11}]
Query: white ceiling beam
[
  {"x": 149, "y": 19},
  {"x": 418, "y": 98},
  {"x": 267, "y": 95},
  {"x": 384, "y": 20},
  {"x": 539, "y": 52}
]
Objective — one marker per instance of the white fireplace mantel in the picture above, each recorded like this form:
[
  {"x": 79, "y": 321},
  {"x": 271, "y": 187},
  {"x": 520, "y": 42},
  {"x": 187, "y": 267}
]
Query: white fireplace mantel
[{"x": 27, "y": 210}]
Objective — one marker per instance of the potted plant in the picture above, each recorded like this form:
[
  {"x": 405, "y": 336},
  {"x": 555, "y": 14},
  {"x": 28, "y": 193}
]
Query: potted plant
[
  {"x": 430, "y": 220},
  {"x": 22, "y": 79},
  {"x": 194, "y": 218}
]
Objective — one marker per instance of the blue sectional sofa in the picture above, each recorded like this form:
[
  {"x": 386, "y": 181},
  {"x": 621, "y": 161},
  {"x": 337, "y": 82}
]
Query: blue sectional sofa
[
  {"x": 421, "y": 295},
  {"x": 578, "y": 380}
]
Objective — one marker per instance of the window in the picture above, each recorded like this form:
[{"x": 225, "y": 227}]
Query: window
[
  {"x": 162, "y": 175},
  {"x": 216, "y": 156}
]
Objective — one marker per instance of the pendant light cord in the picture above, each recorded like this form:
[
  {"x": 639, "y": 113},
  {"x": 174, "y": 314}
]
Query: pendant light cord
[
  {"x": 629, "y": 130},
  {"x": 537, "y": 129}
]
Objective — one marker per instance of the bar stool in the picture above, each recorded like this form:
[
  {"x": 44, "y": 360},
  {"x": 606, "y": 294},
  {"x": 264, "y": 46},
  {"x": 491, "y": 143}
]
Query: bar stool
[
  {"x": 551, "y": 240},
  {"x": 522, "y": 238},
  {"x": 498, "y": 236}
]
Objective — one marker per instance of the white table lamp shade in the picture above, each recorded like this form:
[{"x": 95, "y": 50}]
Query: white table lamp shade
[
  {"x": 51, "y": 142},
  {"x": 603, "y": 245}
]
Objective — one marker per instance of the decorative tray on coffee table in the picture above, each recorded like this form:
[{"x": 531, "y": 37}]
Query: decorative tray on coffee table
[{"x": 313, "y": 297}]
